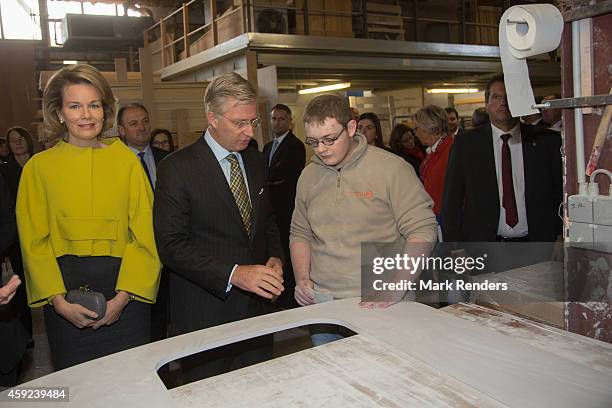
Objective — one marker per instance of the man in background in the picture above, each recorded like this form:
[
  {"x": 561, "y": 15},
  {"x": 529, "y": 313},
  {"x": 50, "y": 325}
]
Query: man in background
[
  {"x": 285, "y": 157},
  {"x": 135, "y": 129},
  {"x": 453, "y": 121}
]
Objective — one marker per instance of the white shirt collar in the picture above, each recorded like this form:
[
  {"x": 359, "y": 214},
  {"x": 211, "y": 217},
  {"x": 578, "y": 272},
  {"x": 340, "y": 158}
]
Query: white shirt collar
[
  {"x": 281, "y": 137},
  {"x": 219, "y": 151},
  {"x": 435, "y": 145},
  {"x": 515, "y": 132},
  {"x": 146, "y": 150}
]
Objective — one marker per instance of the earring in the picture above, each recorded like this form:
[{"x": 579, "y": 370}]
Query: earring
[{"x": 61, "y": 120}]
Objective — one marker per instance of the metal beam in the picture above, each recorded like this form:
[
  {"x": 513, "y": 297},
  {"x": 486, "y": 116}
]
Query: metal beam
[
  {"x": 581, "y": 102},
  {"x": 349, "y": 62},
  {"x": 368, "y": 46},
  {"x": 579, "y": 13}
]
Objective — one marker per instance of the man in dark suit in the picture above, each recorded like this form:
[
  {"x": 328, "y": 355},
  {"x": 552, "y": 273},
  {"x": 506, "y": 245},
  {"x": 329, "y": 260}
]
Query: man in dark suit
[
  {"x": 215, "y": 229},
  {"x": 286, "y": 157},
  {"x": 503, "y": 180},
  {"x": 135, "y": 130},
  {"x": 454, "y": 123}
]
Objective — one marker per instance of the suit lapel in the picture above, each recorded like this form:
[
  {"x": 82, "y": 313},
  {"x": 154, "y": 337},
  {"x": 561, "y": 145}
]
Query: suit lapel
[
  {"x": 280, "y": 149},
  {"x": 212, "y": 173},
  {"x": 489, "y": 176},
  {"x": 529, "y": 159}
]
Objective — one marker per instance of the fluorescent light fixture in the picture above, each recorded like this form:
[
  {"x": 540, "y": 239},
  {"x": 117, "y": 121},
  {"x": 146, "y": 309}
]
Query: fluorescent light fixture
[
  {"x": 70, "y": 62},
  {"x": 452, "y": 90},
  {"x": 325, "y": 88}
]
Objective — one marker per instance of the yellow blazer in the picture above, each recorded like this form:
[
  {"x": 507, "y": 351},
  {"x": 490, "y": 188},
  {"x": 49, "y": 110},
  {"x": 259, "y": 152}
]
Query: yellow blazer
[{"x": 86, "y": 202}]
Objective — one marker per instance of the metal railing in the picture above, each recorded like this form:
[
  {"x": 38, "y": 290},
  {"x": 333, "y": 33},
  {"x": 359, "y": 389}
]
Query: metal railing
[{"x": 177, "y": 36}]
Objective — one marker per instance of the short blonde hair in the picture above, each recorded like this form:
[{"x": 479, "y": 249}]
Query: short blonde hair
[
  {"x": 54, "y": 92},
  {"x": 433, "y": 118},
  {"x": 228, "y": 86}
]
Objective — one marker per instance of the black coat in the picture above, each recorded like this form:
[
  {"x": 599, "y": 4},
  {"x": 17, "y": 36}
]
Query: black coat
[
  {"x": 283, "y": 173},
  {"x": 284, "y": 170},
  {"x": 13, "y": 336},
  {"x": 470, "y": 205},
  {"x": 200, "y": 236}
]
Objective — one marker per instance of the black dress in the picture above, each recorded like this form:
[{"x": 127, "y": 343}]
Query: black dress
[{"x": 72, "y": 345}]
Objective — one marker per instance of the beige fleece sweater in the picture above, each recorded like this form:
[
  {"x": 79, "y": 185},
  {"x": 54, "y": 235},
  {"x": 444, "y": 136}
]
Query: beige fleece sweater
[{"x": 375, "y": 197}]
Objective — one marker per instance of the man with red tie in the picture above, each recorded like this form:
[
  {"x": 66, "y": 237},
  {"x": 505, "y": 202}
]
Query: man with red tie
[{"x": 503, "y": 181}]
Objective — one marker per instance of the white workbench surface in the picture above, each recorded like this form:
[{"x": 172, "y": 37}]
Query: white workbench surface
[{"x": 407, "y": 355}]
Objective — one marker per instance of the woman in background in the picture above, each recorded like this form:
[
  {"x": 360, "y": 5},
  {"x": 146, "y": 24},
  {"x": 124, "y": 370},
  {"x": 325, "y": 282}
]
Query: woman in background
[
  {"x": 162, "y": 139},
  {"x": 431, "y": 125},
  {"x": 84, "y": 219},
  {"x": 369, "y": 126},
  {"x": 21, "y": 148},
  {"x": 404, "y": 143}
]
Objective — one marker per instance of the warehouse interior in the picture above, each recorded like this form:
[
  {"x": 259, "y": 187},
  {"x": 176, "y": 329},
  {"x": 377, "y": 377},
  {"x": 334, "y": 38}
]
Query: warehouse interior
[{"x": 389, "y": 57}]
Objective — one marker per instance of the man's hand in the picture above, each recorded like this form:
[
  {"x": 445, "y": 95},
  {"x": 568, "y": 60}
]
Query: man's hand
[
  {"x": 304, "y": 292},
  {"x": 114, "y": 308},
  {"x": 264, "y": 281},
  {"x": 8, "y": 291},
  {"x": 276, "y": 264},
  {"x": 76, "y": 314}
]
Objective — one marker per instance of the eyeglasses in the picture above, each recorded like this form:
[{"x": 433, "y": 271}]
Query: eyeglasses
[
  {"x": 497, "y": 98},
  {"x": 17, "y": 139},
  {"x": 240, "y": 124},
  {"x": 327, "y": 141}
]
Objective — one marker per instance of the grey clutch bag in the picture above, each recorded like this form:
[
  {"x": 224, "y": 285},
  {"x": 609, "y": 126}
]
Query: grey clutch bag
[{"x": 94, "y": 301}]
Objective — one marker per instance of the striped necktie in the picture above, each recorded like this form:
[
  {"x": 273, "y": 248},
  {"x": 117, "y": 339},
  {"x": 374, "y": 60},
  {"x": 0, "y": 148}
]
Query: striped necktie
[{"x": 239, "y": 190}]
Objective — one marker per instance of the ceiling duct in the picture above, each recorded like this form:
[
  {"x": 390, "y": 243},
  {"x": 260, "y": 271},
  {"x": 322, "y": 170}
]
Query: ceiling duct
[{"x": 85, "y": 31}]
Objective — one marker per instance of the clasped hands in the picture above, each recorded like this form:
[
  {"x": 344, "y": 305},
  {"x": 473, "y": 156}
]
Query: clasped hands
[
  {"x": 263, "y": 280},
  {"x": 82, "y": 317}
]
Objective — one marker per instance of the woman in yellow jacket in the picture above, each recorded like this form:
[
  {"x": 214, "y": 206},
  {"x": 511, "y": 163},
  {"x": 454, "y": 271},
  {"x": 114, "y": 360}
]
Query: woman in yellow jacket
[{"x": 84, "y": 218}]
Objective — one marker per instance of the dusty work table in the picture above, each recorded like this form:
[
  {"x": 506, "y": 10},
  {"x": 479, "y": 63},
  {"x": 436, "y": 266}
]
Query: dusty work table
[{"x": 407, "y": 355}]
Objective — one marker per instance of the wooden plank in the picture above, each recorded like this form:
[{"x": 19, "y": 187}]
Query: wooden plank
[
  {"x": 229, "y": 25},
  {"x": 387, "y": 20},
  {"x": 384, "y": 8},
  {"x": 377, "y": 29},
  {"x": 186, "y": 30},
  {"x": 251, "y": 67},
  {"x": 121, "y": 70},
  {"x": 181, "y": 124},
  {"x": 146, "y": 77}
]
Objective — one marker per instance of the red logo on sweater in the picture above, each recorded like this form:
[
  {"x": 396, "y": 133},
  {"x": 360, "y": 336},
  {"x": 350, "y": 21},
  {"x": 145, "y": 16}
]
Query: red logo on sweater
[{"x": 368, "y": 195}]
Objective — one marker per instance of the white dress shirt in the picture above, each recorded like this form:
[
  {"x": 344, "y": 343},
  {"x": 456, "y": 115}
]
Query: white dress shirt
[
  {"x": 518, "y": 180},
  {"x": 277, "y": 141}
]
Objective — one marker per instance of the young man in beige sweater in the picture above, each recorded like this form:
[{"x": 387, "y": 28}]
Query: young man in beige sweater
[{"x": 351, "y": 193}]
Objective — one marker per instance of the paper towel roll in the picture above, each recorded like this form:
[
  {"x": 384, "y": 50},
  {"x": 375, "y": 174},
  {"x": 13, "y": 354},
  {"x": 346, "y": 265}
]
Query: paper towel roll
[{"x": 525, "y": 31}]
